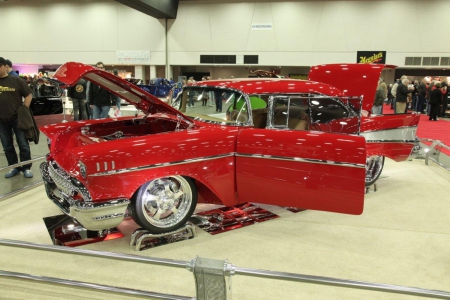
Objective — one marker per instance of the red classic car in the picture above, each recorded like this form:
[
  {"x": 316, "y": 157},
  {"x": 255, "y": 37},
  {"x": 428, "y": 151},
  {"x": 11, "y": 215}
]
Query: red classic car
[{"x": 285, "y": 142}]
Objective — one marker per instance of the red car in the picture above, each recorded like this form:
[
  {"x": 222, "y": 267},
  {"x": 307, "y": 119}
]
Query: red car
[{"x": 284, "y": 142}]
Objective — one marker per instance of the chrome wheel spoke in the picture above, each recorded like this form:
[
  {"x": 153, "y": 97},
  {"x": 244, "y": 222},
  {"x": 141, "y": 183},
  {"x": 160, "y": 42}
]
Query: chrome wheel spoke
[
  {"x": 178, "y": 195},
  {"x": 158, "y": 214},
  {"x": 174, "y": 210}
]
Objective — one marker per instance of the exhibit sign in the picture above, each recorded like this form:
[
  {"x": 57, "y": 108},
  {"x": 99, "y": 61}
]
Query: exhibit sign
[
  {"x": 133, "y": 56},
  {"x": 265, "y": 26},
  {"x": 371, "y": 57}
]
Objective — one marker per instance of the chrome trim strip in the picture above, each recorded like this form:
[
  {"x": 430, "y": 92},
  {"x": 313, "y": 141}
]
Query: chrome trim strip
[
  {"x": 91, "y": 286},
  {"x": 304, "y": 160},
  {"x": 402, "y": 134},
  {"x": 160, "y": 165},
  {"x": 391, "y": 141},
  {"x": 401, "y": 127},
  {"x": 200, "y": 159}
]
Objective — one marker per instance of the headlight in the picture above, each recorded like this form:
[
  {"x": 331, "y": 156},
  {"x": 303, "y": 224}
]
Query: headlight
[{"x": 83, "y": 169}]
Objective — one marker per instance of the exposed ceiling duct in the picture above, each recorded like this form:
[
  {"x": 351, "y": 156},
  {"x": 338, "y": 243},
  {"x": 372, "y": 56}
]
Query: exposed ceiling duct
[{"x": 159, "y": 9}]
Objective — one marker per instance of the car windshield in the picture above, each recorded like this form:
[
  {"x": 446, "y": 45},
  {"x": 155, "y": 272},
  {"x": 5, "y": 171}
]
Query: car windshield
[{"x": 213, "y": 104}]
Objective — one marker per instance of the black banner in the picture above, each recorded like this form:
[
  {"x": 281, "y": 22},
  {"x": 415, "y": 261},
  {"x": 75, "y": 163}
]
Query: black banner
[{"x": 371, "y": 57}]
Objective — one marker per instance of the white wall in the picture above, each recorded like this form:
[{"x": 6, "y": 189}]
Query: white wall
[
  {"x": 304, "y": 33},
  {"x": 310, "y": 32},
  {"x": 54, "y": 32}
]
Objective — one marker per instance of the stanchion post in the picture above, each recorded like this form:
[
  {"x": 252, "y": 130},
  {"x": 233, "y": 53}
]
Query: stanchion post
[{"x": 212, "y": 278}]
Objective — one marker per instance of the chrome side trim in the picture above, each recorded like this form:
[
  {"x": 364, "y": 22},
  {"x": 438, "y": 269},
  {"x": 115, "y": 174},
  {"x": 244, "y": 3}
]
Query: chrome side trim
[
  {"x": 160, "y": 165},
  {"x": 304, "y": 160},
  {"x": 391, "y": 141},
  {"x": 396, "y": 135},
  {"x": 200, "y": 159}
]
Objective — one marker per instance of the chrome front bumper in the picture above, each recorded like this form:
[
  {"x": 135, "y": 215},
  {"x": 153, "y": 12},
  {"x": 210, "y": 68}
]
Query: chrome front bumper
[{"x": 93, "y": 216}]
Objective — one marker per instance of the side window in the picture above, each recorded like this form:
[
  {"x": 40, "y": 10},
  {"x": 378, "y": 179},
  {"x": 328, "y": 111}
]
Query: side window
[
  {"x": 213, "y": 104},
  {"x": 325, "y": 110},
  {"x": 290, "y": 113}
]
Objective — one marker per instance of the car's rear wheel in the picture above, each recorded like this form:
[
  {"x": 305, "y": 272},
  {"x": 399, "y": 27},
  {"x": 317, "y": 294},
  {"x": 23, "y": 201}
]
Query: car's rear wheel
[
  {"x": 164, "y": 204},
  {"x": 374, "y": 167}
]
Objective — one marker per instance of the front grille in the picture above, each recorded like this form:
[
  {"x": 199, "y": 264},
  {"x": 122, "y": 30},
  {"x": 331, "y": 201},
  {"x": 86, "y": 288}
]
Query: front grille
[{"x": 61, "y": 179}]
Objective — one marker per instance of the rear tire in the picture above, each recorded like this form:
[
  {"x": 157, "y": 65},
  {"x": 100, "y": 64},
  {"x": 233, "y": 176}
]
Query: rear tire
[
  {"x": 374, "y": 167},
  {"x": 164, "y": 204}
]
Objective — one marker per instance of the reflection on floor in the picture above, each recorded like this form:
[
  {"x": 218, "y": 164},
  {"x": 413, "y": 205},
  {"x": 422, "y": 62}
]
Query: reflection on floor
[
  {"x": 65, "y": 231},
  {"x": 228, "y": 218}
]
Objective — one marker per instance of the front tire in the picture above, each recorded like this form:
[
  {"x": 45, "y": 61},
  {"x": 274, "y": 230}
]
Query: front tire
[
  {"x": 164, "y": 204},
  {"x": 374, "y": 167}
]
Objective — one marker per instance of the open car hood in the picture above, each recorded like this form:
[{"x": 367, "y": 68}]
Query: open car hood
[
  {"x": 352, "y": 79},
  {"x": 71, "y": 72}
]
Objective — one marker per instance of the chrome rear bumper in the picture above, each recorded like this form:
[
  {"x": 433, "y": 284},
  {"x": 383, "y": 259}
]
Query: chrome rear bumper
[{"x": 93, "y": 216}]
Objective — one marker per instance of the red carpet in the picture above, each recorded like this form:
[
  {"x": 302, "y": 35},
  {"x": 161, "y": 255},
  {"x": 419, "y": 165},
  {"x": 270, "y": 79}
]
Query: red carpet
[{"x": 427, "y": 129}]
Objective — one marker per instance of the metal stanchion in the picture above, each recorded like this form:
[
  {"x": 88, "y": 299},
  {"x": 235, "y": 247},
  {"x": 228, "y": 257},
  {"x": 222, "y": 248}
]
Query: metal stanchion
[{"x": 64, "y": 109}]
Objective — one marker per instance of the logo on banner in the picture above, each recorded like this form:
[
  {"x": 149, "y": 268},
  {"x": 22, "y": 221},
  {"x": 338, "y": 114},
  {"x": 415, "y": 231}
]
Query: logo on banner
[{"x": 371, "y": 57}]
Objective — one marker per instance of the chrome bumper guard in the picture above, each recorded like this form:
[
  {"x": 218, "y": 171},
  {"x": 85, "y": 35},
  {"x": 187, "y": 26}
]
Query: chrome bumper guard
[{"x": 93, "y": 216}]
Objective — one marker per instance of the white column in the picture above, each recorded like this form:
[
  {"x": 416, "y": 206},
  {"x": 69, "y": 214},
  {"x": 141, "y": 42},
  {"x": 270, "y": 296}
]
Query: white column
[
  {"x": 139, "y": 72},
  {"x": 153, "y": 72},
  {"x": 170, "y": 72}
]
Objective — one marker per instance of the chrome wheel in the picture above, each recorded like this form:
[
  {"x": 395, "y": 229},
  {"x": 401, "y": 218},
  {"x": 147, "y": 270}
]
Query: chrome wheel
[
  {"x": 374, "y": 167},
  {"x": 165, "y": 204}
]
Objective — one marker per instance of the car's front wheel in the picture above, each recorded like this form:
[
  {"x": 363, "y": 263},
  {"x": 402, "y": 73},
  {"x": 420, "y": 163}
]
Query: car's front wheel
[
  {"x": 164, "y": 204},
  {"x": 374, "y": 167}
]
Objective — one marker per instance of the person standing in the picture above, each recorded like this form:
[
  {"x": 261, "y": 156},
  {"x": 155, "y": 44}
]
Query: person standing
[
  {"x": 422, "y": 93},
  {"x": 9, "y": 68},
  {"x": 444, "y": 89},
  {"x": 218, "y": 97},
  {"x": 12, "y": 90},
  {"x": 394, "y": 94},
  {"x": 435, "y": 101},
  {"x": 77, "y": 95},
  {"x": 100, "y": 100},
  {"x": 402, "y": 96},
  {"x": 380, "y": 95}
]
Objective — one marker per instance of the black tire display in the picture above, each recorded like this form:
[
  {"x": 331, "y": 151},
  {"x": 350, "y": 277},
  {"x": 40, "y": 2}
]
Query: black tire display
[
  {"x": 164, "y": 204},
  {"x": 374, "y": 167}
]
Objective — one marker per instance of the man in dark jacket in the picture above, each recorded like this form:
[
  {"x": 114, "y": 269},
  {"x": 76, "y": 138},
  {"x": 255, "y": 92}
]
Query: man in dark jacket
[
  {"x": 422, "y": 93},
  {"x": 77, "y": 95},
  {"x": 100, "y": 100},
  {"x": 12, "y": 90},
  {"x": 402, "y": 96}
]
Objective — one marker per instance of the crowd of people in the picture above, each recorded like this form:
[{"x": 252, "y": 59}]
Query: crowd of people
[{"x": 430, "y": 97}]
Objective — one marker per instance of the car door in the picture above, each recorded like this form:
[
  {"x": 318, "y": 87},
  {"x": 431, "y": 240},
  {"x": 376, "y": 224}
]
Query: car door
[{"x": 300, "y": 168}]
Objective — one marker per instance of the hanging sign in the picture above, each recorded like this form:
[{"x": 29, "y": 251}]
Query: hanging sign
[
  {"x": 371, "y": 57},
  {"x": 266, "y": 26},
  {"x": 133, "y": 56}
]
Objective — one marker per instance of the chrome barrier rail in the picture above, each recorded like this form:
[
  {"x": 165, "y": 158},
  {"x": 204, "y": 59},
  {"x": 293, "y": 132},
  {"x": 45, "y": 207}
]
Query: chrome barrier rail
[
  {"x": 27, "y": 187},
  {"x": 434, "y": 153},
  {"x": 79, "y": 284},
  {"x": 22, "y": 163},
  {"x": 207, "y": 271}
]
